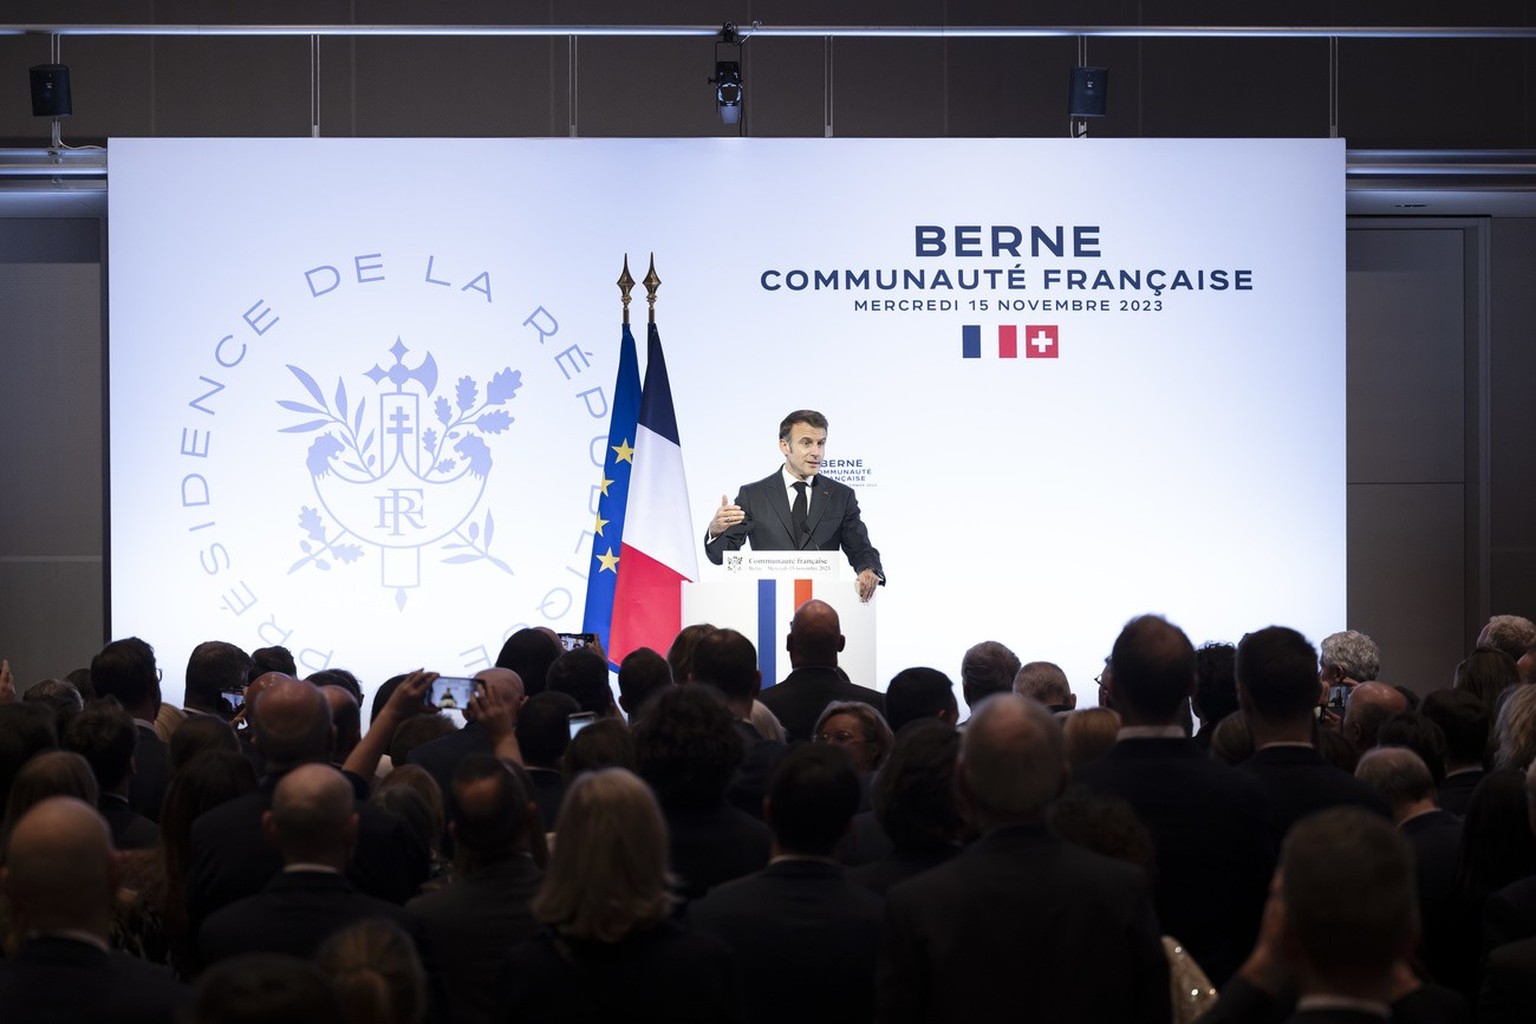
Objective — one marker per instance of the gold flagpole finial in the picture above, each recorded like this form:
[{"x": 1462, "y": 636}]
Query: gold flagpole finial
[
  {"x": 626, "y": 285},
  {"x": 652, "y": 282}
]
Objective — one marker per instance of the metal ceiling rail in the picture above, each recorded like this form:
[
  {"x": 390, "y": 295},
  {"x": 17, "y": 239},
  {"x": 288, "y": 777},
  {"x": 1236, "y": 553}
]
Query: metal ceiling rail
[
  {"x": 1449, "y": 164},
  {"x": 817, "y": 31}
]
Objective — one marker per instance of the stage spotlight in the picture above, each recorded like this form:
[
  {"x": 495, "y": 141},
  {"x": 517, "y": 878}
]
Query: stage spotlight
[
  {"x": 1089, "y": 93},
  {"x": 50, "y": 91},
  {"x": 727, "y": 83}
]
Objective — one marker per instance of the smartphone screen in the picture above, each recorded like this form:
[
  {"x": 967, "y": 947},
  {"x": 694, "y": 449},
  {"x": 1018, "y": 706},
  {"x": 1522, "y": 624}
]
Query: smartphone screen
[
  {"x": 576, "y": 641},
  {"x": 451, "y": 693},
  {"x": 580, "y": 720}
]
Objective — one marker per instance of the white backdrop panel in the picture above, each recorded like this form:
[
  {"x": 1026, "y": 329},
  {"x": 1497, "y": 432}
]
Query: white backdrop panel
[{"x": 1183, "y": 452}]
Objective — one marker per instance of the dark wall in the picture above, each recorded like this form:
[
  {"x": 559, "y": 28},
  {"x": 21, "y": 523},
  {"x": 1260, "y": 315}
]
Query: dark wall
[{"x": 1392, "y": 93}]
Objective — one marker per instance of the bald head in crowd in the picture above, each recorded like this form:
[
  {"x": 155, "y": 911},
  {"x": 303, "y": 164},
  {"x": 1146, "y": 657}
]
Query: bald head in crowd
[
  {"x": 291, "y": 722},
  {"x": 988, "y": 668},
  {"x": 313, "y": 819},
  {"x": 347, "y": 717},
  {"x": 1012, "y": 762},
  {"x": 815, "y": 636},
  {"x": 1370, "y": 704},
  {"x": 503, "y": 682},
  {"x": 1047, "y": 683},
  {"x": 61, "y": 872}
]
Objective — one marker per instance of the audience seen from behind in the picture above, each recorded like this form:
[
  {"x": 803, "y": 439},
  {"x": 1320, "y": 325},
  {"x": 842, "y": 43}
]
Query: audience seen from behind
[{"x": 688, "y": 840}]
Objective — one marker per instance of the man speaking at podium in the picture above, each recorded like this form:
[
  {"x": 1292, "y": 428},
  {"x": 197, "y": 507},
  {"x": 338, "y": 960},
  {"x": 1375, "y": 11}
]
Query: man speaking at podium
[{"x": 797, "y": 509}]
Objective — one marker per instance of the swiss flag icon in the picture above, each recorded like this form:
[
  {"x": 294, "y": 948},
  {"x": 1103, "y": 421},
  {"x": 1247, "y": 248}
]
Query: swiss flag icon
[{"x": 1040, "y": 342}]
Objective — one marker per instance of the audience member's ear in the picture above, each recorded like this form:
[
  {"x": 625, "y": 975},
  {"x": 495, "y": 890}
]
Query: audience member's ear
[
  {"x": 841, "y": 641},
  {"x": 268, "y": 829},
  {"x": 1072, "y": 701}
]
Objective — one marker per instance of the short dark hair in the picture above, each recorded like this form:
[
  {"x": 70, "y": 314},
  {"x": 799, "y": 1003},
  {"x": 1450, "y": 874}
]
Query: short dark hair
[
  {"x": 125, "y": 669},
  {"x": 1419, "y": 733},
  {"x": 914, "y": 793},
  {"x": 812, "y": 796},
  {"x": 272, "y": 659},
  {"x": 1277, "y": 668},
  {"x": 25, "y": 729},
  {"x": 642, "y": 674},
  {"x": 544, "y": 727},
  {"x": 489, "y": 829},
  {"x": 1154, "y": 668},
  {"x": 1347, "y": 877},
  {"x": 529, "y": 652},
  {"x": 215, "y": 668},
  {"x": 1216, "y": 691},
  {"x": 583, "y": 673},
  {"x": 338, "y": 677},
  {"x": 810, "y": 417},
  {"x": 106, "y": 736},
  {"x": 918, "y": 693},
  {"x": 727, "y": 660},
  {"x": 603, "y": 744},
  {"x": 1464, "y": 721},
  {"x": 687, "y": 747}
]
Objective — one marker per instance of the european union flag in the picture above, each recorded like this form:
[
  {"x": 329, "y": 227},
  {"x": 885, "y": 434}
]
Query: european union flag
[{"x": 613, "y": 497}]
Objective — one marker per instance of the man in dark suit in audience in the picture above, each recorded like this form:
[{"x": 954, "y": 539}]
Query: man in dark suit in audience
[
  {"x": 1339, "y": 927},
  {"x": 687, "y": 749},
  {"x": 1464, "y": 721},
  {"x": 1346, "y": 883},
  {"x": 726, "y": 660},
  {"x": 1278, "y": 689},
  {"x": 964, "y": 939},
  {"x": 800, "y": 924},
  {"x": 441, "y": 757},
  {"x": 815, "y": 638},
  {"x": 214, "y": 669},
  {"x": 125, "y": 669},
  {"x": 919, "y": 693},
  {"x": 313, "y": 823},
  {"x": 61, "y": 877},
  {"x": 229, "y": 859},
  {"x": 471, "y": 923},
  {"x": 543, "y": 732},
  {"x": 1450, "y": 947},
  {"x": 1209, "y": 824},
  {"x": 987, "y": 668},
  {"x": 106, "y": 737}
]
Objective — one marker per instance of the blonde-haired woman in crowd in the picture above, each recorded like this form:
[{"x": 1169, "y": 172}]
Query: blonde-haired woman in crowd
[{"x": 611, "y": 949}]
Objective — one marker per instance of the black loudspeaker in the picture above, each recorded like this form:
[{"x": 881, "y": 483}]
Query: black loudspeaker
[
  {"x": 50, "y": 91},
  {"x": 1090, "y": 92}
]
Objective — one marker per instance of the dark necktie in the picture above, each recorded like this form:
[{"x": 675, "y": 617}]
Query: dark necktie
[{"x": 798, "y": 511}]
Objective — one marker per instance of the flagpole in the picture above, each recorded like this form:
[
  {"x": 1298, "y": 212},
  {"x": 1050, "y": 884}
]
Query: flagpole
[
  {"x": 627, "y": 285},
  {"x": 652, "y": 282}
]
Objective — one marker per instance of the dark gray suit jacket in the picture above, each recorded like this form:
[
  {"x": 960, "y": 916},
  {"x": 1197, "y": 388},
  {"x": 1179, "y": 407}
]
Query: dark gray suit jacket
[
  {"x": 1073, "y": 934},
  {"x": 833, "y": 519}
]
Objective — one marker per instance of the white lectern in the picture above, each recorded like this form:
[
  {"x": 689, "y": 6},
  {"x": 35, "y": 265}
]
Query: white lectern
[{"x": 760, "y": 595}]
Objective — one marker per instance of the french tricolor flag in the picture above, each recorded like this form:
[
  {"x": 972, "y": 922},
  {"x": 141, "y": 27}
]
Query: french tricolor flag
[{"x": 658, "y": 553}]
